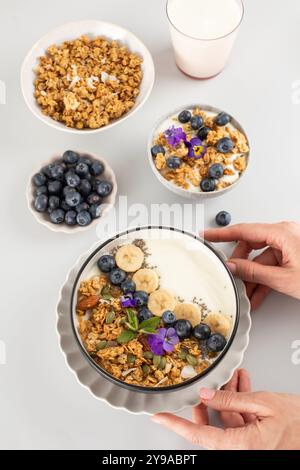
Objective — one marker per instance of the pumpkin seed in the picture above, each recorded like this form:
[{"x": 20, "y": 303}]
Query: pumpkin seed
[
  {"x": 148, "y": 355},
  {"x": 112, "y": 344},
  {"x": 163, "y": 363},
  {"x": 156, "y": 360},
  {"x": 105, "y": 290},
  {"x": 107, "y": 297},
  {"x": 192, "y": 360},
  {"x": 101, "y": 345},
  {"x": 182, "y": 354},
  {"x": 131, "y": 358},
  {"x": 122, "y": 321},
  {"x": 110, "y": 317},
  {"x": 146, "y": 369}
]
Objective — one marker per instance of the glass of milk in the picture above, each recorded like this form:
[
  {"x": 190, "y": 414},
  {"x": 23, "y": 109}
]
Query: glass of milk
[{"x": 203, "y": 33}]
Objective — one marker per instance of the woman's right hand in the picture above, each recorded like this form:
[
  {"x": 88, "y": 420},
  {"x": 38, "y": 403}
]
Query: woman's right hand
[{"x": 277, "y": 267}]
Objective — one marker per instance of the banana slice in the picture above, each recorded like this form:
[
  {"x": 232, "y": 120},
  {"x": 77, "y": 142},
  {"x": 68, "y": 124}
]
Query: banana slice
[
  {"x": 129, "y": 258},
  {"x": 146, "y": 280},
  {"x": 160, "y": 301},
  {"x": 218, "y": 323},
  {"x": 188, "y": 311}
]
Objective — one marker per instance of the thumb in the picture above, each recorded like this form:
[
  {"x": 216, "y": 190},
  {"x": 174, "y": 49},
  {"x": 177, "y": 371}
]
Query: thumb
[
  {"x": 251, "y": 271},
  {"x": 239, "y": 402}
]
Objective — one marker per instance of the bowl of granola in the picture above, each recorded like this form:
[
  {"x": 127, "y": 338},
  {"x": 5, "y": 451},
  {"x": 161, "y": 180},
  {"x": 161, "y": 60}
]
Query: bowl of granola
[
  {"x": 154, "y": 309},
  {"x": 87, "y": 76},
  {"x": 199, "y": 151}
]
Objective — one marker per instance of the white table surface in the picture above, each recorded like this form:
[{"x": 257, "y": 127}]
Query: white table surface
[{"x": 41, "y": 404}]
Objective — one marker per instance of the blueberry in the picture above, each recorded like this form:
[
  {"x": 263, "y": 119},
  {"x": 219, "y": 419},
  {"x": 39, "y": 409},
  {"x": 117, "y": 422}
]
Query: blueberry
[
  {"x": 82, "y": 169},
  {"x": 184, "y": 117},
  {"x": 46, "y": 170},
  {"x": 183, "y": 329},
  {"x": 208, "y": 185},
  {"x": 174, "y": 163},
  {"x": 104, "y": 188},
  {"x": 85, "y": 187},
  {"x": 144, "y": 314},
  {"x": 95, "y": 210},
  {"x": 68, "y": 189},
  {"x": 216, "y": 343},
  {"x": 54, "y": 202},
  {"x": 41, "y": 203},
  {"x": 168, "y": 318},
  {"x": 73, "y": 198},
  {"x": 57, "y": 216},
  {"x": 84, "y": 218},
  {"x": 64, "y": 206},
  {"x": 72, "y": 179},
  {"x": 106, "y": 263},
  {"x": 93, "y": 198},
  {"x": 96, "y": 169},
  {"x": 216, "y": 171},
  {"x": 203, "y": 133},
  {"x": 39, "y": 179},
  {"x": 55, "y": 187},
  {"x": 70, "y": 157},
  {"x": 70, "y": 217},
  {"x": 223, "y": 218},
  {"x": 141, "y": 297},
  {"x": 94, "y": 183},
  {"x": 225, "y": 145},
  {"x": 157, "y": 149},
  {"x": 117, "y": 276},
  {"x": 41, "y": 190},
  {"x": 201, "y": 331},
  {"x": 57, "y": 171},
  {"x": 222, "y": 119},
  {"x": 128, "y": 286},
  {"x": 83, "y": 206},
  {"x": 85, "y": 159},
  {"x": 196, "y": 122}
]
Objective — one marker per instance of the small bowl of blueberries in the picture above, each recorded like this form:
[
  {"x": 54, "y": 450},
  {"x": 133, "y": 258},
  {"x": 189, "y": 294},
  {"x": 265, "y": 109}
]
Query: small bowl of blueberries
[{"x": 72, "y": 191}]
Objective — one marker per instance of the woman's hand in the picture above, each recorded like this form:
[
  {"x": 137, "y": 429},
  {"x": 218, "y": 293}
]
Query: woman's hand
[
  {"x": 259, "y": 421},
  {"x": 277, "y": 267}
]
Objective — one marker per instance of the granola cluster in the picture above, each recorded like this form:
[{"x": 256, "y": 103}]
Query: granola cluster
[
  {"x": 133, "y": 362},
  {"x": 190, "y": 171},
  {"x": 86, "y": 83}
]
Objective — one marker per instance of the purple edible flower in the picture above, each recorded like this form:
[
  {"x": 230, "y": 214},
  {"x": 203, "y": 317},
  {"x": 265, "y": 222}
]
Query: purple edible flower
[
  {"x": 127, "y": 301},
  {"x": 163, "y": 341},
  {"x": 175, "y": 135},
  {"x": 196, "y": 148}
]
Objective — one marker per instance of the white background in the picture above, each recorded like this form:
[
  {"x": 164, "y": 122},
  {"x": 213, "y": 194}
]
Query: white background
[{"x": 41, "y": 404}]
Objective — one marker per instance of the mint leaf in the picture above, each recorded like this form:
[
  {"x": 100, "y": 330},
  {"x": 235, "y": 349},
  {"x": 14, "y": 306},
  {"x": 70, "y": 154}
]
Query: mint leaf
[
  {"x": 150, "y": 323},
  {"x": 126, "y": 336},
  {"x": 132, "y": 319},
  {"x": 148, "y": 331}
]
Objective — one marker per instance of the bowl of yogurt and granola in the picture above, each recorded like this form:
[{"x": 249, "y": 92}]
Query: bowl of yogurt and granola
[
  {"x": 199, "y": 151},
  {"x": 154, "y": 309}
]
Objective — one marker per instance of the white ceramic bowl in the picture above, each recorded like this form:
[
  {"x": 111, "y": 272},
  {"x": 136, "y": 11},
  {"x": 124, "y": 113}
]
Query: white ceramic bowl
[
  {"x": 71, "y": 31},
  {"x": 131, "y": 398},
  {"x": 43, "y": 218},
  {"x": 200, "y": 196}
]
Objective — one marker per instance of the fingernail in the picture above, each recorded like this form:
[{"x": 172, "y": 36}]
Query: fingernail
[
  {"x": 231, "y": 266},
  {"x": 156, "y": 419},
  {"x": 207, "y": 393}
]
